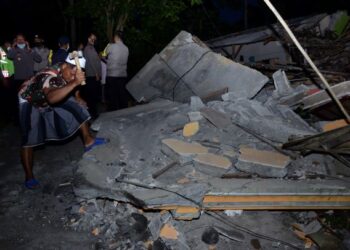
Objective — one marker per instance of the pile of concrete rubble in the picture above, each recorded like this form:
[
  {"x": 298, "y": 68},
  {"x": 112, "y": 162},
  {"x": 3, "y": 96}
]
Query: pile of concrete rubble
[{"x": 185, "y": 170}]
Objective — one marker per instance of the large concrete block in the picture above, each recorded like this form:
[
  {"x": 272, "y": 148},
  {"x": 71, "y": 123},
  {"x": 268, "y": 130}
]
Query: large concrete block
[{"x": 187, "y": 67}]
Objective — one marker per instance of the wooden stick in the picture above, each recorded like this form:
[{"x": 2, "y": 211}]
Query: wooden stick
[
  {"x": 308, "y": 59},
  {"x": 77, "y": 63}
]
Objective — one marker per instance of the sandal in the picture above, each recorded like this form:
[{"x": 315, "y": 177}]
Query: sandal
[
  {"x": 31, "y": 184},
  {"x": 98, "y": 141}
]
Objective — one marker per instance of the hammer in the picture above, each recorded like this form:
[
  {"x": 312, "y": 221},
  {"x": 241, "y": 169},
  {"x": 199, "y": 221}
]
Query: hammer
[{"x": 75, "y": 55}]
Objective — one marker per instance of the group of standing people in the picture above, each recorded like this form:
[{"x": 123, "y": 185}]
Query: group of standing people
[
  {"x": 106, "y": 70},
  {"x": 51, "y": 101}
]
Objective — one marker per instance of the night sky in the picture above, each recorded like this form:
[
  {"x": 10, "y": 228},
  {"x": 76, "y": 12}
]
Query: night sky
[{"x": 45, "y": 18}]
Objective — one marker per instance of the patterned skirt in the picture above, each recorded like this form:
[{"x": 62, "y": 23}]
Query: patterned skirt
[{"x": 52, "y": 123}]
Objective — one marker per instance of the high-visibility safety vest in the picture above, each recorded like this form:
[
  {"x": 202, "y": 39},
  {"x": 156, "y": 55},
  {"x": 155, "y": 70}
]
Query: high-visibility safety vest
[{"x": 6, "y": 65}]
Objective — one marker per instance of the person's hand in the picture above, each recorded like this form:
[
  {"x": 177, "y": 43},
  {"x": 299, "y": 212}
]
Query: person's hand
[
  {"x": 79, "y": 77},
  {"x": 97, "y": 77},
  {"x": 27, "y": 46}
]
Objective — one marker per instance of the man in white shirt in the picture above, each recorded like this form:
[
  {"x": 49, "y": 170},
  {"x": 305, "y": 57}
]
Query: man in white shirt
[{"x": 117, "y": 59}]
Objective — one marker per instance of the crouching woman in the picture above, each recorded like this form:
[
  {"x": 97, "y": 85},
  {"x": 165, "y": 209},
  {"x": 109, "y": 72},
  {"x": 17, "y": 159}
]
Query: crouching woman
[{"x": 51, "y": 110}]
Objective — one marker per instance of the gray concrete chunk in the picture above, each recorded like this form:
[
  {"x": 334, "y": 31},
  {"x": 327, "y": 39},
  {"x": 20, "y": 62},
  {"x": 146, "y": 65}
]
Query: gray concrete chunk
[
  {"x": 282, "y": 84},
  {"x": 186, "y": 67}
]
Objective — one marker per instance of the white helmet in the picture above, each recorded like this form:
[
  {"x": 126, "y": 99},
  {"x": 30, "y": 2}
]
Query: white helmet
[{"x": 81, "y": 59}]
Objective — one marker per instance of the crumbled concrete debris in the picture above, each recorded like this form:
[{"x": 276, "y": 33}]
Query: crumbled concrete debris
[
  {"x": 196, "y": 103},
  {"x": 195, "y": 116},
  {"x": 156, "y": 223},
  {"x": 326, "y": 240},
  {"x": 181, "y": 70},
  {"x": 219, "y": 119},
  {"x": 293, "y": 100},
  {"x": 232, "y": 213},
  {"x": 230, "y": 96},
  {"x": 282, "y": 84},
  {"x": 258, "y": 118},
  {"x": 288, "y": 115},
  {"x": 313, "y": 227},
  {"x": 261, "y": 170},
  {"x": 123, "y": 171}
]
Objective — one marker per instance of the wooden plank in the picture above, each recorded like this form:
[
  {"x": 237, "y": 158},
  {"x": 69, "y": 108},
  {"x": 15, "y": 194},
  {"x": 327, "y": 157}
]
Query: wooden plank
[
  {"x": 333, "y": 137},
  {"x": 275, "y": 198}
]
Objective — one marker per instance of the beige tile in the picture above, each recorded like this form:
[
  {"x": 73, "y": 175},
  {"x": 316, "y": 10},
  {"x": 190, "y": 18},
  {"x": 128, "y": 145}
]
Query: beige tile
[
  {"x": 168, "y": 232},
  {"x": 190, "y": 129},
  {"x": 214, "y": 160},
  {"x": 266, "y": 158},
  {"x": 185, "y": 148}
]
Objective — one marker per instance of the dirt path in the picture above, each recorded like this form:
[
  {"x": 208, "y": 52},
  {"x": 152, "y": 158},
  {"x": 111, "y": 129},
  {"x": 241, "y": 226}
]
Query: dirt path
[{"x": 37, "y": 219}]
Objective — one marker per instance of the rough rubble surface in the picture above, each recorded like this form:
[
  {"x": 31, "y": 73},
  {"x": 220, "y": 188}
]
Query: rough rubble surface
[{"x": 123, "y": 169}]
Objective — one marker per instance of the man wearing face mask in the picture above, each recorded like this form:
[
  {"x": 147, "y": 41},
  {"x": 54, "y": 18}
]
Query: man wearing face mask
[
  {"x": 23, "y": 58},
  {"x": 61, "y": 54}
]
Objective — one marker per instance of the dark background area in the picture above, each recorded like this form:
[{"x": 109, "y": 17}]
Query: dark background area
[{"x": 211, "y": 19}]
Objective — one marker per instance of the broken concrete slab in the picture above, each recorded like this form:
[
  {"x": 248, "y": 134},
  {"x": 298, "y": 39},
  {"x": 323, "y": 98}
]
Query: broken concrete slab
[
  {"x": 123, "y": 171},
  {"x": 256, "y": 117},
  {"x": 186, "y": 67},
  {"x": 195, "y": 116},
  {"x": 196, "y": 103},
  {"x": 261, "y": 170},
  {"x": 288, "y": 115},
  {"x": 219, "y": 119},
  {"x": 156, "y": 223}
]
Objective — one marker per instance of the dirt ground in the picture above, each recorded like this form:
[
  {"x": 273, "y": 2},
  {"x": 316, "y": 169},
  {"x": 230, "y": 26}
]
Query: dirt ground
[{"x": 38, "y": 219}]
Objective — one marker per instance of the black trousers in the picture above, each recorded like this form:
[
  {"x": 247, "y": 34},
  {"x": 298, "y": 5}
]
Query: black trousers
[
  {"x": 91, "y": 93},
  {"x": 7, "y": 105},
  {"x": 12, "y": 99},
  {"x": 116, "y": 95}
]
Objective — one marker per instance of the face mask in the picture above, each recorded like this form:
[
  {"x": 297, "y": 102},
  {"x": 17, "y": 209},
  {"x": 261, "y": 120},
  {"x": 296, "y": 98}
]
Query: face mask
[
  {"x": 67, "y": 48},
  {"x": 21, "y": 45}
]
